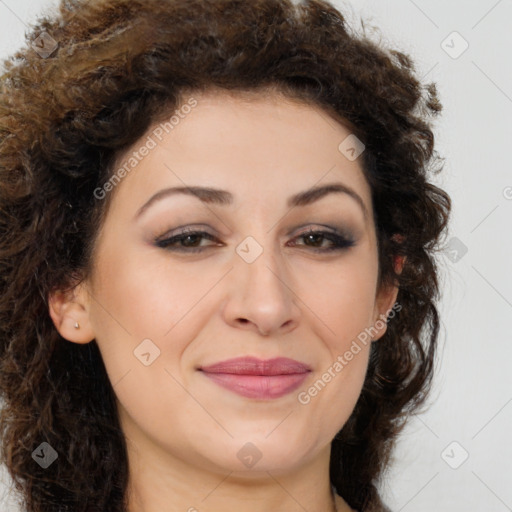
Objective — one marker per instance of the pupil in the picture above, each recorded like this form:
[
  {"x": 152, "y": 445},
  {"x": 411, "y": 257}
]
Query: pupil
[
  {"x": 312, "y": 237},
  {"x": 188, "y": 237}
]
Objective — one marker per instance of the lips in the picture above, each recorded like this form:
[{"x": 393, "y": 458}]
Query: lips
[
  {"x": 254, "y": 366},
  {"x": 255, "y": 378}
]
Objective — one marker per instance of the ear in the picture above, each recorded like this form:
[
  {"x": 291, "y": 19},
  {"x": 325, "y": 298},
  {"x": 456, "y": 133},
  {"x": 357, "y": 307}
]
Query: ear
[
  {"x": 385, "y": 300},
  {"x": 71, "y": 308}
]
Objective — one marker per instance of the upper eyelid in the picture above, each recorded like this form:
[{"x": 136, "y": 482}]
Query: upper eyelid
[{"x": 344, "y": 232}]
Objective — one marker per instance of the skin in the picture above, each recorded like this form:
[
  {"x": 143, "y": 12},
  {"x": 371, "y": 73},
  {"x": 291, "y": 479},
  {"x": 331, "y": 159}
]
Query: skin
[{"x": 184, "y": 431}]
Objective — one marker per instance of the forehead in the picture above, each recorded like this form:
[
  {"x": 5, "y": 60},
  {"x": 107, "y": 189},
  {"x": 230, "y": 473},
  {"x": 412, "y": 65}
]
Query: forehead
[{"x": 259, "y": 146}]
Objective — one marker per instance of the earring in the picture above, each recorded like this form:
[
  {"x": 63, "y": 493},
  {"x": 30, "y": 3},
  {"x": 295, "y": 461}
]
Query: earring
[{"x": 77, "y": 325}]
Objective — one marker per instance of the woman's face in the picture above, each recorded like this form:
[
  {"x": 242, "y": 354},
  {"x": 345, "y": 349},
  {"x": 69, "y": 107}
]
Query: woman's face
[{"x": 254, "y": 284}]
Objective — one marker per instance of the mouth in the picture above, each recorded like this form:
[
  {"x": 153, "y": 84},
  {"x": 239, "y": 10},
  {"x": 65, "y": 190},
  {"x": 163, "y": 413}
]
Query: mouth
[{"x": 256, "y": 378}]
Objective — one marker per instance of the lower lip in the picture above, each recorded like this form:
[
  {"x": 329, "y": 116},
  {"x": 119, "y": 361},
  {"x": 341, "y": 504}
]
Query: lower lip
[{"x": 263, "y": 387}]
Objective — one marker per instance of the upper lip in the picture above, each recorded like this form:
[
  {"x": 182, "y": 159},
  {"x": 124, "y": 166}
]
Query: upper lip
[{"x": 255, "y": 366}]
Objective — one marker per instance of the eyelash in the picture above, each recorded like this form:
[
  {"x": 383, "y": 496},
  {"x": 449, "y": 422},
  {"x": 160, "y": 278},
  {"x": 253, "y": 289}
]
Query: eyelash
[{"x": 340, "y": 242}]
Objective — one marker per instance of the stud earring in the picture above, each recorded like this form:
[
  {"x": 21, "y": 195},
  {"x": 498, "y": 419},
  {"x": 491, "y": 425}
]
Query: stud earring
[{"x": 77, "y": 325}]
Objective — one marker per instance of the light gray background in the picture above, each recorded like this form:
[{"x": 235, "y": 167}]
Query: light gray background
[{"x": 471, "y": 401}]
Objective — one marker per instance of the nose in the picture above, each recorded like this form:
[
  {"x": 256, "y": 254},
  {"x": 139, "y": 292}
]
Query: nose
[{"x": 262, "y": 296}]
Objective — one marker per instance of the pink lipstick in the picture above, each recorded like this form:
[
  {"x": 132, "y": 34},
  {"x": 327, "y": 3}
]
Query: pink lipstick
[{"x": 256, "y": 378}]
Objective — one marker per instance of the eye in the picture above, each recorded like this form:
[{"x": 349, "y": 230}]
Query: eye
[
  {"x": 186, "y": 241},
  {"x": 189, "y": 240},
  {"x": 338, "y": 241}
]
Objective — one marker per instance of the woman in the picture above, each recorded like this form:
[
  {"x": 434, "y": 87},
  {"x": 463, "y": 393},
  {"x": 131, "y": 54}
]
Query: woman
[{"x": 218, "y": 280}]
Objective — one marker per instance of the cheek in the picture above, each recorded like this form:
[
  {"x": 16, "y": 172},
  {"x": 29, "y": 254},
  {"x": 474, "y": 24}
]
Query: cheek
[
  {"x": 343, "y": 304},
  {"x": 342, "y": 299},
  {"x": 331, "y": 396},
  {"x": 141, "y": 305},
  {"x": 144, "y": 295}
]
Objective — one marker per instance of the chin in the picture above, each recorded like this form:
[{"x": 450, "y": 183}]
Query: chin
[{"x": 257, "y": 456}]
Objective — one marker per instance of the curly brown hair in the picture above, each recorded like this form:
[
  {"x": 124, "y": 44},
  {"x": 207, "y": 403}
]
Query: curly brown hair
[{"x": 121, "y": 65}]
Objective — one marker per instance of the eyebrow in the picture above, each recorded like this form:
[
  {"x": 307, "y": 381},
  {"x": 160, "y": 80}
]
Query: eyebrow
[{"x": 224, "y": 198}]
